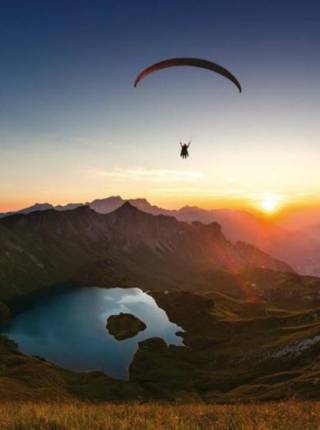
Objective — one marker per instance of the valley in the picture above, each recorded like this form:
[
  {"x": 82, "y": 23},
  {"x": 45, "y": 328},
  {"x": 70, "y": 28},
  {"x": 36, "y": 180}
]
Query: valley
[{"x": 251, "y": 324}]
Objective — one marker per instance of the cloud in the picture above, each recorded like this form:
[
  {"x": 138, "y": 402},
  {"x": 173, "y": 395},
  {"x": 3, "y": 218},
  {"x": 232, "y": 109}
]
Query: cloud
[{"x": 151, "y": 175}]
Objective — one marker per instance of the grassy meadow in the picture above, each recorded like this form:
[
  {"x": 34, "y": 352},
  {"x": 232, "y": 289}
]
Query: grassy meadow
[{"x": 290, "y": 415}]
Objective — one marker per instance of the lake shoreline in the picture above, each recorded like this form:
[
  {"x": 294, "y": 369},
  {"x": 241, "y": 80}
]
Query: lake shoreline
[{"x": 47, "y": 324}]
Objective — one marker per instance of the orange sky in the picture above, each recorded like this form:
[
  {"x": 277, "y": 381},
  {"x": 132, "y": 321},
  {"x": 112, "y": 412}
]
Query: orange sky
[
  {"x": 279, "y": 205},
  {"x": 74, "y": 128}
]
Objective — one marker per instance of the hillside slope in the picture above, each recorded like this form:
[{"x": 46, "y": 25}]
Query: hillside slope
[
  {"x": 49, "y": 247},
  {"x": 299, "y": 247}
]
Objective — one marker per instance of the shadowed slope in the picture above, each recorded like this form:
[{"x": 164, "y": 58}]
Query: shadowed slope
[{"x": 50, "y": 247}]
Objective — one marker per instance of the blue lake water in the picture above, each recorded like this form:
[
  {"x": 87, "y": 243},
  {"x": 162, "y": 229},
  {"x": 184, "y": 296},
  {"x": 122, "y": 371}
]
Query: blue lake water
[{"x": 69, "y": 328}]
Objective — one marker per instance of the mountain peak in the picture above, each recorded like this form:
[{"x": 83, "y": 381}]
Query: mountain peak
[
  {"x": 127, "y": 207},
  {"x": 36, "y": 207}
]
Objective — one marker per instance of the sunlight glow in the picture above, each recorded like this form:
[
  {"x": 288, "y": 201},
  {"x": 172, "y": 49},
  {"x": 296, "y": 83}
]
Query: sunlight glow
[{"x": 269, "y": 203}]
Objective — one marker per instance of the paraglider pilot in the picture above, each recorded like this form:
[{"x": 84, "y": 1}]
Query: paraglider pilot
[{"x": 184, "y": 149}]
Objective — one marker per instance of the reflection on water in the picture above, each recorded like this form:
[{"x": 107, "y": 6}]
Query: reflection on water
[{"x": 69, "y": 329}]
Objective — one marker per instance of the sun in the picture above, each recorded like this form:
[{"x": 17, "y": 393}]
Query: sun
[{"x": 269, "y": 203}]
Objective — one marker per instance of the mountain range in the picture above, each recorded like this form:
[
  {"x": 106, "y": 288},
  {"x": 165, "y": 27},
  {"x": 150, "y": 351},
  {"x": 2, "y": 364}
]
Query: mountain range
[
  {"x": 300, "y": 247},
  {"x": 48, "y": 247},
  {"x": 250, "y": 322}
]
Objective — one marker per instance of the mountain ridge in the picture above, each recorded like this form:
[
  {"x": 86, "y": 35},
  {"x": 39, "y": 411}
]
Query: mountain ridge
[
  {"x": 300, "y": 249},
  {"x": 48, "y": 247}
]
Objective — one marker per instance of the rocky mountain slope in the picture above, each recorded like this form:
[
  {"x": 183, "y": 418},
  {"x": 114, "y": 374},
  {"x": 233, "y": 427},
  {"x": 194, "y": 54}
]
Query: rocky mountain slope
[
  {"x": 48, "y": 247},
  {"x": 299, "y": 248}
]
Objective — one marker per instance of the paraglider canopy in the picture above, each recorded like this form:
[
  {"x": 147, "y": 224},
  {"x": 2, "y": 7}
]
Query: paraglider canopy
[{"x": 195, "y": 62}]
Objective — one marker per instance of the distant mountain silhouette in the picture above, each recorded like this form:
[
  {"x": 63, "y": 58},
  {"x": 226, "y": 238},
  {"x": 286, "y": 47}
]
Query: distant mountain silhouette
[
  {"x": 49, "y": 246},
  {"x": 313, "y": 231},
  {"x": 299, "y": 248},
  {"x": 30, "y": 209},
  {"x": 301, "y": 218},
  {"x": 42, "y": 207},
  {"x": 110, "y": 204}
]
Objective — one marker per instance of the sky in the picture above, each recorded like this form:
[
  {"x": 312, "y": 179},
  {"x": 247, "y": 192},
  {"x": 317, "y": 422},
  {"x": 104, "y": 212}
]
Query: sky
[{"x": 73, "y": 127}]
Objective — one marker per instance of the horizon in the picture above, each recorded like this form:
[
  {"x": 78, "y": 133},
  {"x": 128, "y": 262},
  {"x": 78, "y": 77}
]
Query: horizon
[
  {"x": 73, "y": 127},
  {"x": 282, "y": 214}
]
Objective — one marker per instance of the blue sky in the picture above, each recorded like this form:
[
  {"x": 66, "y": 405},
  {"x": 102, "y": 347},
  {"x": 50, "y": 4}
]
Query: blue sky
[{"x": 72, "y": 127}]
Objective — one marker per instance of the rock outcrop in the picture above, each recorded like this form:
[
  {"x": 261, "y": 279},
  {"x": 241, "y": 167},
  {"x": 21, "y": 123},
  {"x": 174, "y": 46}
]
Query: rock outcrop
[{"x": 124, "y": 326}]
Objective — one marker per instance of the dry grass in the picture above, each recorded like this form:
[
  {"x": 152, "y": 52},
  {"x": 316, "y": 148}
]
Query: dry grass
[{"x": 289, "y": 415}]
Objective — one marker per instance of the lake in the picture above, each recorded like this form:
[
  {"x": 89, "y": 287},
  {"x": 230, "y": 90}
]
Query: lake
[{"x": 69, "y": 328}]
